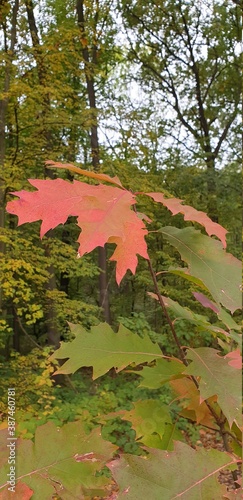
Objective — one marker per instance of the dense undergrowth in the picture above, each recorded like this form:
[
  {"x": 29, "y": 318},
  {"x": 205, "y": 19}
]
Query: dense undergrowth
[{"x": 41, "y": 399}]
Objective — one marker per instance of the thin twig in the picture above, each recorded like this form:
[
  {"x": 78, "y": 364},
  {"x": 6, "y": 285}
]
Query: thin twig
[{"x": 26, "y": 333}]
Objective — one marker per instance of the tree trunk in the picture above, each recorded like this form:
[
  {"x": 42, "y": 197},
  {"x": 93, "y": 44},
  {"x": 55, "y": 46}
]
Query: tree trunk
[
  {"x": 4, "y": 101},
  {"x": 53, "y": 333},
  {"x": 89, "y": 65},
  {"x": 16, "y": 339},
  {"x": 212, "y": 206}
]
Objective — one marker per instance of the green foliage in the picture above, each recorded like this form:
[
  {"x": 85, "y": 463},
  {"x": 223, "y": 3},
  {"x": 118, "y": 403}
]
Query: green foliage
[
  {"x": 121, "y": 434},
  {"x": 23, "y": 276},
  {"x": 31, "y": 374},
  {"x": 138, "y": 324},
  {"x": 92, "y": 402}
]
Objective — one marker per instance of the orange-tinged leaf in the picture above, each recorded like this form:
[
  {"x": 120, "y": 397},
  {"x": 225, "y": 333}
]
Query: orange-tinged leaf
[
  {"x": 189, "y": 396},
  {"x": 191, "y": 214},
  {"x": 98, "y": 176},
  {"x": 234, "y": 495},
  {"x": 218, "y": 378},
  {"x": 104, "y": 214},
  {"x": 21, "y": 492}
]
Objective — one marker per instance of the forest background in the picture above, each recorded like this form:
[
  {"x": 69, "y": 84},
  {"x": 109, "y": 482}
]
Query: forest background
[{"x": 148, "y": 91}]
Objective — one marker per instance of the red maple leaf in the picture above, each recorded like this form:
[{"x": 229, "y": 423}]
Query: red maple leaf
[
  {"x": 104, "y": 215},
  {"x": 190, "y": 213}
]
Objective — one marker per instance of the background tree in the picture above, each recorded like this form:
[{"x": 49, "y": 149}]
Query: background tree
[
  {"x": 188, "y": 58},
  {"x": 8, "y": 24},
  {"x": 93, "y": 20}
]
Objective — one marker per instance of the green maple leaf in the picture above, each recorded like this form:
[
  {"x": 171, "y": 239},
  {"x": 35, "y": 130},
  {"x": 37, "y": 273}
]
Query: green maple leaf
[
  {"x": 164, "y": 371},
  {"x": 147, "y": 417},
  {"x": 60, "y": 460},
  {"x": 184, "y": 473},
  {"x": 104, "y": 349},
  {"x": 219, "y": 271}
]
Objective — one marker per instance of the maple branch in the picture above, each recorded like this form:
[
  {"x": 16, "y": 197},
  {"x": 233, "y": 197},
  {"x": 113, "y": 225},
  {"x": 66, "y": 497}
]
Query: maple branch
[
  {"x": 218, "y": 419},
  {"x": 163, "y": 307},
  {"x": 217, "y": 430}
]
